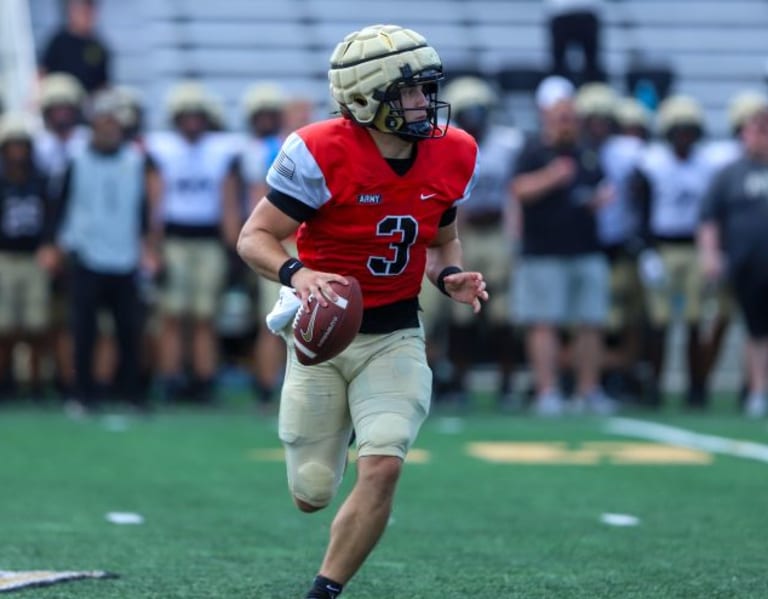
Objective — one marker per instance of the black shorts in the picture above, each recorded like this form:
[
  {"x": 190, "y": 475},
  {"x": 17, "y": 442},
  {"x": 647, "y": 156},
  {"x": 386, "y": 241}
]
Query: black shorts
[{"x": 750, "y": 285}]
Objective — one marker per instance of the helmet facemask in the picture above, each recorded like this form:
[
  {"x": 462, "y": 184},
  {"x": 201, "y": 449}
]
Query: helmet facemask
[{"x": 392, "y": 116}]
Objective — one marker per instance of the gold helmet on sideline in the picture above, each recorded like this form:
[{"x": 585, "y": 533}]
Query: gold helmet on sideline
[
  {"x": 263, "y": 96},
  {"x": 190, "y": 96},
  {"x": 596, "y": 100},
  {"x": 371, "y": 66},
  {"x": 216, "y": 113},
  {"x": 16, "y": 126},
  {"x": 744, "y": 106},
  {"x": 631, "y": 113},
  {"x": 60, "y": 88},
  {"x": 132, "y": 100},
  {"x": 466, "y": 92},
  {"x": 679, "y": 111},
  {"x": 111, "y": 103}
]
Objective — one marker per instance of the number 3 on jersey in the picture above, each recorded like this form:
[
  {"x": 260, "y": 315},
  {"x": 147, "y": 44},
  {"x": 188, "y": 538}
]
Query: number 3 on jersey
[{"x": 408, "y": 229}]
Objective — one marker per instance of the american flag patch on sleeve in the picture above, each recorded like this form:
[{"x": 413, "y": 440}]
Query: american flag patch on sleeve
[{"x": 285, "y": 166}]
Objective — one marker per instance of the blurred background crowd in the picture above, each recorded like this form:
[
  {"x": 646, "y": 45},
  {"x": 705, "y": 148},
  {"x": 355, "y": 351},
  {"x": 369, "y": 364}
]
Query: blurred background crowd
[{"x": 619, "y": 216}]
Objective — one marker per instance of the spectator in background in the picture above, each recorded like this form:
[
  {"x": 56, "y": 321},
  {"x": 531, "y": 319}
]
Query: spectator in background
[
  {"x": 487, "y": 243},
  {"x": 77, "y": 50},
  {"x": 733, "y": 243},
  {"x": 597, "y": 106},
  {"x": 563, "y": 276},
  {"x": 24, "y": 286},
  {"x": 575, "y": 24},
  {"x": 192, "y": 215},
  {"x": 669, "y": 187},
  {"x": 104, "y": 208}
]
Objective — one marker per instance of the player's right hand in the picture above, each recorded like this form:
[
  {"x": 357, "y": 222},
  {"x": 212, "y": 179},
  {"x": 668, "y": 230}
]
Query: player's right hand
[{"x": 306, "y": 282}]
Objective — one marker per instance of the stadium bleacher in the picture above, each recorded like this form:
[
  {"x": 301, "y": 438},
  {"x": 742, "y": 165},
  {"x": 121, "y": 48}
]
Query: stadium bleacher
[{"x": 715, "y": 48}]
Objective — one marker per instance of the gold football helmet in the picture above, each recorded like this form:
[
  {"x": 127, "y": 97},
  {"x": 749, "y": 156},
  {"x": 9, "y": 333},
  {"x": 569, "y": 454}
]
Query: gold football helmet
[
  {"x": 679, "y": 111},
  {"x": 468, "y": 92},
  {"x": 596, "y": 100},
  {"x": 631, "y": 113},
  {"x": 190, "y": 96},
  {"x": 744, "y": 106},
  {"x": 60, "y": 89},
  {"x": 263, "y": 96},
  {"x": 371, "y": 66},
  {"x": 16, "y": 126}
]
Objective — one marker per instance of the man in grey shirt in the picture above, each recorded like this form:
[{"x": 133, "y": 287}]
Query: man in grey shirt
[{"x": 733, "y": 242}]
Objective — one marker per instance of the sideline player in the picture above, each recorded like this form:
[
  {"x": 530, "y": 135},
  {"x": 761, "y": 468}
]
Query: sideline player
[
  {"x": 487, "y": 226},
  {"x": 669, "y": 188},
  {"x": 194, "y": 220},
  {"x": 373, "y": 194}
]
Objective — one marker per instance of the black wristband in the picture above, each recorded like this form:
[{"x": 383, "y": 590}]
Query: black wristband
[
  {"x": 288, "y": 269},
  {"x": 448, "y": 270}
]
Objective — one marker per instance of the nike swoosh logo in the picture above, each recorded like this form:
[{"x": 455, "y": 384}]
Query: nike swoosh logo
[
  {"x": 307, "y": 335},
  {"x": 426, "y": 196}
]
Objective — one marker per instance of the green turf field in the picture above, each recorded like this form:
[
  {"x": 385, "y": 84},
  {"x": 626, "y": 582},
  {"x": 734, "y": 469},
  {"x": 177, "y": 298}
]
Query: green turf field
[{"x": 219, "y": 522}]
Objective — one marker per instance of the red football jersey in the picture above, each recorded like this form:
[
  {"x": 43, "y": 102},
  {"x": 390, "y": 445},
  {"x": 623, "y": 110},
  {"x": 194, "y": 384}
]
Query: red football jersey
[{"x": 368, "y": 221}]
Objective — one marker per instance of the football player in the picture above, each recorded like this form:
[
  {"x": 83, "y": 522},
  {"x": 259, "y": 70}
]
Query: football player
[
  {"x": 61, "y": 98},
  {"x": 100, "y": 213},
  {"x": 196, "y": 219},
  {"x": 598, "y": 107},
  {"x": 63, "y": 138},
  {"x": 373, "y": 194},
  {"x": 487, "y": 225},
  {"x": 671, "y": 180},
  {"x": 24, "y": 214},
  {"x": 633, "y": 118},
  {"x": 263, "y": 105}
]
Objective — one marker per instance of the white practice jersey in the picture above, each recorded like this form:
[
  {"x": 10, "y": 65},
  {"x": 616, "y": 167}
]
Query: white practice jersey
[
  {"x": 192, "y": 175},
  {"x": 256, "y": 156},
  {"x": 498, "y": 153},
  {"x": 53, "y": 155},
  {"x": 722, "y": 152},
  {"x": 619, "y": 157},
  {"x": 677, "y": 188}
]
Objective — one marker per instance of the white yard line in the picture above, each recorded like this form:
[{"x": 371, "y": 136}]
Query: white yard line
[{"x": 653, "y": 431}]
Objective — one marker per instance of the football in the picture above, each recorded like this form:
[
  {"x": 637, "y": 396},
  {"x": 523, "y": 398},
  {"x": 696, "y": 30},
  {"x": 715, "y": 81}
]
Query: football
[{"x": 322, "y": 333}]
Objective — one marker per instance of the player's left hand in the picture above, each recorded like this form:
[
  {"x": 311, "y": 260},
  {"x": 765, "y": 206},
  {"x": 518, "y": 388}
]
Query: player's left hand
[{"x": 467, "y": 288}]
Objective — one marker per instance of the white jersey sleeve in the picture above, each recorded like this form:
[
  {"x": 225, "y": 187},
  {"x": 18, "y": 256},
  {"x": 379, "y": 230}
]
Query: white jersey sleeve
[{"x": 295, "y": 173}]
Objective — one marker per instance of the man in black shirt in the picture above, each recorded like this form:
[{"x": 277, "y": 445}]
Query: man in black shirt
[
  {"x": 563, "y": 276},
  {"x": 77, "y": 50},
  {"x": 732, "y": 241}
]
